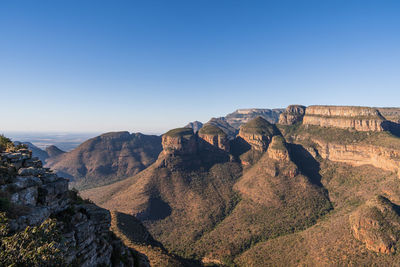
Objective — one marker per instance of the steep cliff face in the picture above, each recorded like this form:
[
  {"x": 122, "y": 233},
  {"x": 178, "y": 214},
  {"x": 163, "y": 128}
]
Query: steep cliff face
[
  {"x": 292, "y": 115},
  {"x": 36, "y": 201},
  {"x": 215, "y": 137},
  {"x": 180, "y": 141},
  {"x": 258, "y": 133},
  {"x": 357, "y": 118},
  {"x": 361, "y": 154}
]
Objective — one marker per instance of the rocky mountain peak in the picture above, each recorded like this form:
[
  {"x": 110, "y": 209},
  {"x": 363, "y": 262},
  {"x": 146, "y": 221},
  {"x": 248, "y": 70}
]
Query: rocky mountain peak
[
  {"x": 258, "y": 133},
  {"x": 180, "y": 141},
  {"x": 214, "y": 136},
  {"x": 292, "y": 115}
]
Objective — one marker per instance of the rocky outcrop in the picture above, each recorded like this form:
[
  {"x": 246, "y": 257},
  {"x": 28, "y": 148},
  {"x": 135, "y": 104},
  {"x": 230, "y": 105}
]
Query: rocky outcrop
[
  {"x": 258, "y": 133},
  {"x": 377, "y": 225},
  {"x": 195, "y": 125},
  {"x": 180, "y": 141},
  {"x": 34, "y": 194},
  {"x": 222, "y": 124},
  {"x": 293, "y": 114},
  {"x": 346, "y": 117},
  {"x": 277, "y": 149},
  {"x": 242, "y": 116},
  {"x": 214, "y": 136},
  {"x": 361, "y": 154}
]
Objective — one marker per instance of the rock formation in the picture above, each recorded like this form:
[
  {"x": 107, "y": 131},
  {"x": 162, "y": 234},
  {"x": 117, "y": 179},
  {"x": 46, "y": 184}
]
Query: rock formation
[
  {"x": 214, "y": 136},
  {"x": 242, "y": 116},
  {"x": 32, "y": 196},
  {"x": 180, "y": 141},
  {"x": 258, "y": 133},
  {"x": 377, "y": 225},
  {"x": 224, "y": 126},
  {"x": 277, "y": 149},
  {"x": 346, "y": 117},
  {"x": 292, "y": 115},
  {"x": 360, "y": 154}
]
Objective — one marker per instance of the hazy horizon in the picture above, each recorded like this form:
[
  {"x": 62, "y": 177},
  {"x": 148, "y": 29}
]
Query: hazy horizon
[{"x": 149, "y": 66}]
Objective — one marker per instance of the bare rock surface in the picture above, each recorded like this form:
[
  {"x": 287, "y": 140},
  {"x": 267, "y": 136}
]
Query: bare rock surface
[
  {"x": 35, "y": 194},
  {"x": 346, "y": 117}
]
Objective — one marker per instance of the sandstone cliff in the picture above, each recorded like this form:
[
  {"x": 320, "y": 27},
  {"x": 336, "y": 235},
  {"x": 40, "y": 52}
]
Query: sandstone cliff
[
  {"x": 292, "y": 115},
  {"x": 36, "y": 205},
  {"x": 258, "y": 133},
  {"x": 361, "y": 154},
  {"x": 180, "y": 141},
  {"x": 215, "y": 137},
  {"x": 357, "y": 118}
]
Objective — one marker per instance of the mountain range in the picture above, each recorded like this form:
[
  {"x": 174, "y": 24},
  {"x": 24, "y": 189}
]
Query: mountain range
[{"x": 317, "y": 185}]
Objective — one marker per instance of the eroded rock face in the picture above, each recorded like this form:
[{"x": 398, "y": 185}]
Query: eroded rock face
[
  {"x": 215, "y": 137},
  {"x": 292, "y": 115},
  {"x": 258, "y": 133},
  {"x": 277, "y": 149},
  {"x": 36, "y": 194},
  {"x": 357, "y": 155},
  {"x": 181, "y": 141},
  {"x": 377, "y": 225},
  {"x": 346, "y": 117}
]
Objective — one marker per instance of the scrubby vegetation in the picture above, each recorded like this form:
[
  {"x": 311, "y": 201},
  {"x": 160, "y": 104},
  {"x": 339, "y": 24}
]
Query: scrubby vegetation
[
  {"x": 259, "y": 126},
  {"x": 183, "y": 132},
  {"x": 212, "y": 130},
  {"x": 5, "y": 143},
  {"x": 341, "y": 136},
  {"x": 36, "y": 246}
]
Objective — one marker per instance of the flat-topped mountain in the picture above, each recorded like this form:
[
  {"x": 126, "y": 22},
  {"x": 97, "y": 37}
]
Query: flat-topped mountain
[
  {"x": 106, "y": 158},
  {"x": 358, "y": 118}
]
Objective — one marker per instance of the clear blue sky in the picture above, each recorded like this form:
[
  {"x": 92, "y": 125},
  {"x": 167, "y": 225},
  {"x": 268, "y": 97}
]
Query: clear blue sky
[{"x": 153, "y": 65}]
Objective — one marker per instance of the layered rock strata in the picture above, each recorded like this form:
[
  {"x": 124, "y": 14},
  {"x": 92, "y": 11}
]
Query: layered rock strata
[
  {"x": 258, "y": 133},
  {"x": 357, "y": 155},
  {"x": 346, "y": 117},
  {"x": 180, "y": 141},
  {"x": 34, "y": 194},
  {"x": 293, "y": 114},
  {"x": 215, "y": 137}
]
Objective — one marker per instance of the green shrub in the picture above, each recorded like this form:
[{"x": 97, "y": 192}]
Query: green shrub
[
  {"x": 5, "y": 143},
  {"x": 35, "y": 246}
]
